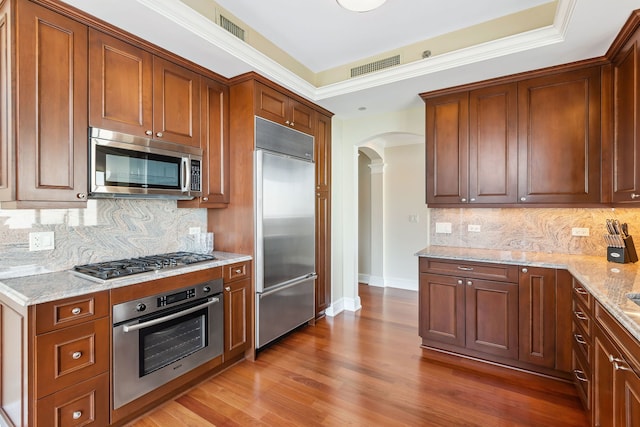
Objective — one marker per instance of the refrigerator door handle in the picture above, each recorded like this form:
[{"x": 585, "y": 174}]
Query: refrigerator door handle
[{"x": 288, "y": 284}]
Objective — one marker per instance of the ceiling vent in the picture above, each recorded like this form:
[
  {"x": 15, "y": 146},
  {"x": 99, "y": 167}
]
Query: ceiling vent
[
  {"x": 375, "y": 66},
  {"x": 232, "y": 28}
]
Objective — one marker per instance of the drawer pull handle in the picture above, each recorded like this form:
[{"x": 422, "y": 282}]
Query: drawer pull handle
[
  {"x": 579, "y": 339},
  {"x": 76, "y": 415},
  {"x": 465, "y": 268},
  {"x": 581, "y": 291},
  {"x": 228, "y": 289},
  {"x": 238, "y": 271},
  {"x": 580, "y": 315},
  {"x": 76, "y": 355},
  {"x": 76, "y": 310},
  {"x": 580, "y": 375}
]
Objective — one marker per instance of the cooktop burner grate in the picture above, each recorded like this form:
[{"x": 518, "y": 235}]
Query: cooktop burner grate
[{"x": 126, "y": 267}]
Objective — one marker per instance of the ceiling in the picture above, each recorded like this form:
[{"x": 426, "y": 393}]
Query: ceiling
[{"x": 318, "y": 35}]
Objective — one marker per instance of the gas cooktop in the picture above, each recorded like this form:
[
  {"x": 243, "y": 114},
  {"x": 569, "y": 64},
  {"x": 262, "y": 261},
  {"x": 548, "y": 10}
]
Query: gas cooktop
[{"x": 126, "y": 267}]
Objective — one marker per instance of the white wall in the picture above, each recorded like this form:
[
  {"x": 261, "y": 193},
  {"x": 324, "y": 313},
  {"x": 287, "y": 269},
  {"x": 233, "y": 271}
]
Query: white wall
[
  {"x": 347, "y": 135},
  {"x": 404, "y": 188}
]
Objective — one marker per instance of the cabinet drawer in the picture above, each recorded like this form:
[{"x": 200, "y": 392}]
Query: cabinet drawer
[
  {"x": 237, "y": 271},
  {"x": 71, "y": 311},
  {"x": 582, "y": 318},
  {"x": 71, "y": 355},
  {"x": 581, "y": 342},
  {"x": 84, "y": 404},
  {"x": 583, "y": 295},
  {"x": 478, "y": 270},
  {"x": 582, "y": 378}
]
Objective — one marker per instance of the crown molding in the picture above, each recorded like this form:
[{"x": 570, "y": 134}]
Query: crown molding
[{"x": 200, "y": 26}]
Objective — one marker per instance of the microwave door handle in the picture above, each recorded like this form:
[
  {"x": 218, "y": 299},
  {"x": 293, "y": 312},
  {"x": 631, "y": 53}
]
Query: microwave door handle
[
  {"x": 186, "y": 174},
  {"x": 137, "y": 326}
]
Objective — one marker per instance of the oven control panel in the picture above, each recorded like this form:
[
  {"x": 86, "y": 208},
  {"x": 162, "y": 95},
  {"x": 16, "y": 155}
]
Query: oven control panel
[{"x": 144, "y": 306}]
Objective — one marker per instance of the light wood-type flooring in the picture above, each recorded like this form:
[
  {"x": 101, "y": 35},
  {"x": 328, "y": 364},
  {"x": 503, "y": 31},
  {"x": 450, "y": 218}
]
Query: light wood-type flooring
[{"x": 366, "y": 369}]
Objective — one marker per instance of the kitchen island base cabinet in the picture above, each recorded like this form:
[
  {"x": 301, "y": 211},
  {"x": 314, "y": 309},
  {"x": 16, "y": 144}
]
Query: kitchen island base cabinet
[{"x": 494, "y": 312}]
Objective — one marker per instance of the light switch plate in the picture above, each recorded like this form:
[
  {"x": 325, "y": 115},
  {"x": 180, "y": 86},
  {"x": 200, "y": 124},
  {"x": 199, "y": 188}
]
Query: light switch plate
[
  {"x": 475, "y": 228},
  {"x": 443, "y": 227},
  {"x": 580, "y": 231}
]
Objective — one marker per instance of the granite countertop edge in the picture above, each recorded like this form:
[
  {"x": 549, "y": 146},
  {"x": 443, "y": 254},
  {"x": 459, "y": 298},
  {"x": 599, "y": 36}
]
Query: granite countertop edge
[
  {"x": 51, "y": 286},
  {"x": 608, "y": 282}
]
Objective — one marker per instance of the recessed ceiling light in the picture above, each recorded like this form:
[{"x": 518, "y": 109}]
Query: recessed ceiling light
[
  {"x": 362, "y": 108},
  {"x": 360, "y": 5}
]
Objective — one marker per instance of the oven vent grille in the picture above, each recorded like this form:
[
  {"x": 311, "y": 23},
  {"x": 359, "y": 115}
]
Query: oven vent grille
[
  {"x": 375, "y": 66},
  {"x": 232, "y": 28}
]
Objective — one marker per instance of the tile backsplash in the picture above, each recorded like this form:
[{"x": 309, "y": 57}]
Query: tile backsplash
[
  {"x": 531, "y": 229},
  {"x": 107, "y": 229}
]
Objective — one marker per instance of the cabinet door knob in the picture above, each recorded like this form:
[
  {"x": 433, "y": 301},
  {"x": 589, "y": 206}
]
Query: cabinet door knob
[
  {"x": 76, "y": 415},
  {"x": 463, "y": 200},
  {"x": 472, "y": 199},
  {"x": 459, "y": 282},
  {"x": 469, "y": 283},
  {"x": 228, "y": 289},
  {"x": 635, "y": 196},
  {"x": 523, "y": 199},
  {"x": 81, "y": 196},
  {"x": 286, "y": 122},
  {"x": 238, "y": 271},
  {"x": 524, "y": 270},
  {"x": 76, "y": 355},
  {"x": 205, "y": 199},
  {"x": 159, "y": 134},
  {"x": 76, "y": 310},
  {"x": 148, "y": 133},
  {"x": 292, "y": 124}
]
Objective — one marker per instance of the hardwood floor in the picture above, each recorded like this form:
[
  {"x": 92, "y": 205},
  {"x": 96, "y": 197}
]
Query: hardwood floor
[{"x": 366, "y": 368}]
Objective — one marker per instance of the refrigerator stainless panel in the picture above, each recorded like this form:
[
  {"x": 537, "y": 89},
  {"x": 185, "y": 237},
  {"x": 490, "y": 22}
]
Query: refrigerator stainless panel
[
  {"x": 285, "y": 220},
  {"x": 284, "y": 309}
]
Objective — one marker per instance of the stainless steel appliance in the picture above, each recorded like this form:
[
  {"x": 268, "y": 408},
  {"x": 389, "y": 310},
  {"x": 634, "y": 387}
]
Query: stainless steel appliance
[
  {"x": 123, "y": 165},
  {"x": 159, "y": 338},
  {"x": 285, "y": 230},
  {"x": 125, "y": 267}
]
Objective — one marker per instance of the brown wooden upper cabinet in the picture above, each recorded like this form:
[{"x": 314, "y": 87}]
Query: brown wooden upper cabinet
[
  {"x": 278, "y": 107},
  {"x": 134, "y": 92},
  {"x": 626, "y": 118},
  {"x": 529, "y": 141},
  {"x": 215, "y": 146},
  {"x": 559, "y": 138},
  {"x": 43, "y": 155}
]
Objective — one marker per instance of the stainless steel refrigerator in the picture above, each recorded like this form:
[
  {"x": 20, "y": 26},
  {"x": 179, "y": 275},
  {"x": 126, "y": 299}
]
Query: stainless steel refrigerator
[{"x": 285, "y": 230}]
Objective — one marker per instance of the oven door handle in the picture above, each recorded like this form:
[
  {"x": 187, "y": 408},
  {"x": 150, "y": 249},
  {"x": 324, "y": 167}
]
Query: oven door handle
[{"x": 137, "y": 326}]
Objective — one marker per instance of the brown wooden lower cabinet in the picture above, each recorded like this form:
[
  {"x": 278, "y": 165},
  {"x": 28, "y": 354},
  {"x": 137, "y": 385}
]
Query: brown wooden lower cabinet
[
  {"x": 495, "y": 312},
  {"x": 237, "y": 299},
  {"x": 616, "y": 364}
]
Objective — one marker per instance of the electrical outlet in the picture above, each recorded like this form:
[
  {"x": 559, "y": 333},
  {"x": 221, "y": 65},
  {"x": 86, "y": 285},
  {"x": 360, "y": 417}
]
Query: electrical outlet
[
  {"x": 414, "y": 218},
  {"x": 194, "y": 230},
  {"x": 579, "y": 231},
  {"x": 41, "y": 241},
  {"x": 474, "y": 228},
  {"x": 443, "y": 227}
]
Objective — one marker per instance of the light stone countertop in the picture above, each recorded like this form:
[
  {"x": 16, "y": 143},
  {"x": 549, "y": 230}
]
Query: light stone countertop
[
  {"x": 608, "y": 282},
  {"x": 39, "y": 288}
]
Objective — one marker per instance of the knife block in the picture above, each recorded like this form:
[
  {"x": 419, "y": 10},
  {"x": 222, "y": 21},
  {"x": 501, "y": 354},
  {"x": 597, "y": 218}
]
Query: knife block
[{"x": 623, "y": 255}]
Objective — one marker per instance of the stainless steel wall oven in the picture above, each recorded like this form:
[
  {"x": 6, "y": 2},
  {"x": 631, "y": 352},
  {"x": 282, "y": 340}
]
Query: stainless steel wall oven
[{"x": 158, "y": 338}]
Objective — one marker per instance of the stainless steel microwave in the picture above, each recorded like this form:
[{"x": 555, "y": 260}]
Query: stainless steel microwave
[{"x": 123, "y": 165}]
